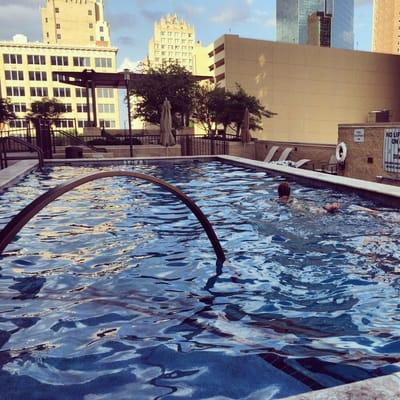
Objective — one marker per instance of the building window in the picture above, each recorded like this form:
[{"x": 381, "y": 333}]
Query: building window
[
  {"x": 83, "y": 123},
  {"x": 56, "y": 10},
  {"x": 102, "y": 38},
  {"x": 91, "y": 38},
  {"x": 103, "y": 62},
  {"x": 106, "y": 123},
  {"x": 91, "y": 26},
  {"x": 36, "y": 60},
  {"x": 58, "y": 26},
  {"x": 64, "y": 123},
  {"x": 17, "y": 123},
  {"x": 59, "y": 60},
  {"x": 56, "y": 77},
  {"x": 106, "y": 108},
  {"x": 37, "y": 76},
  {"x": 81, "y": 61},
  {"x": 15, "y": 91},
  {"x": 39, "y": 92},
  {"x": 61, "y": 92},
  {"x": 81, "y": 108},
  {"x": 90, "y": 12},
  {"x": 18, "y": 107},
  {"x": 80, "y": 92},
  {"x": 68, "y": 107},
  {"x": 105, "y": 93},
  {"x": 14, "y": 75},
  {"x": 12, "y": 58},
  {"x": 58, "y": 36},
  {"x": 101, "y": 29}
]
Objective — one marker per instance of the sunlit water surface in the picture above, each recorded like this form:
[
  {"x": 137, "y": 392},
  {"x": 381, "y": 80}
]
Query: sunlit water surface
[{"x": 113, "y": 291}]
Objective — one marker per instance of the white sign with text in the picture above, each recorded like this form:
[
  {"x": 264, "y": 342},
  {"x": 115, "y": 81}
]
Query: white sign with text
[
  {"x": 391, "y": 150},
  {"x": 359, "y": 135}
]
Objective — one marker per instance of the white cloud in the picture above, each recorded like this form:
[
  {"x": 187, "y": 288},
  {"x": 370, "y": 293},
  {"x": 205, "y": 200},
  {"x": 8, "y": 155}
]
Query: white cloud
[{"x": 130, "y": 64}]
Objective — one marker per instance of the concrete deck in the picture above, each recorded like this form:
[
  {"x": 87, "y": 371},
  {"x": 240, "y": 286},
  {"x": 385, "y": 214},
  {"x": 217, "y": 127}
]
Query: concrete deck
[
  {"x": 383, "y": 388},
  {"x": 9, "y": 176},
  {"x": 381, "y": 193}
]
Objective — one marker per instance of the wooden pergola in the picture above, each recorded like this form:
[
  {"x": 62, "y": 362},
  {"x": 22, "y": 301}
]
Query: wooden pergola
[{"x": 90, "y": 80}]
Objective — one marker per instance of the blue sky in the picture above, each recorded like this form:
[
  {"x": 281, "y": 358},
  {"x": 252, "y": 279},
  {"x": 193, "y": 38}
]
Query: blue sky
[{"x": 132, "y": 21}]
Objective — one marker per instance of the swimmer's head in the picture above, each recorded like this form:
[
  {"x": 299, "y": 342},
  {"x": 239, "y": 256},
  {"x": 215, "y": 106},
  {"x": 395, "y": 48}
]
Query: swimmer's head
[{"x": 283, "y": 189}]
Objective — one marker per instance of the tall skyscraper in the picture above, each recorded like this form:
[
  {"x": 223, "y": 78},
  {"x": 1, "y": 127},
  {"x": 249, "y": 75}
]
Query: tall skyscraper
[
  {"x": 69, "y": 22},
  {"x": 319, "y": 29},
  {"x": 292, "y": 20},
  {"x": 386, "y": 26}
]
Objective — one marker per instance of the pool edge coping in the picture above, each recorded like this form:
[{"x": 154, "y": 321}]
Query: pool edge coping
[{"x": 11, "y": 175}]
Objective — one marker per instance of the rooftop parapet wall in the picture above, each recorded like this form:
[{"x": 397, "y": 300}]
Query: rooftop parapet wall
[{"x": 367, "y": 156}]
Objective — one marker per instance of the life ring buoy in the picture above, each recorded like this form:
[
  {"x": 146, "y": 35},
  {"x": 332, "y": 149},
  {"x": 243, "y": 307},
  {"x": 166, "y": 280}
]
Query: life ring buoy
[{"x": 341, "y": 152}]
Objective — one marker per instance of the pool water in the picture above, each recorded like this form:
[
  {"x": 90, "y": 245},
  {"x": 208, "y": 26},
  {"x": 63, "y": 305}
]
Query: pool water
[{"x": 113, "y": 290}]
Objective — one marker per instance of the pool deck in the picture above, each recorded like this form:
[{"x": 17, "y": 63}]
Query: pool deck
[
  {"x": 11, "y": 175},
  {"x": 382, "y": 388},
  {"x": 387, "y": 195}
]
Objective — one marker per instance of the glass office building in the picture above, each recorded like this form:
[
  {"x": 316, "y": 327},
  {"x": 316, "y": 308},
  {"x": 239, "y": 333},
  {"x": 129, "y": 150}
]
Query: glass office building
[{"x": 292, "y": 16}]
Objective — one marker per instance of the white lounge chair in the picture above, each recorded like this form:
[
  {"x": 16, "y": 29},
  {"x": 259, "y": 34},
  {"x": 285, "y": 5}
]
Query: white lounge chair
[
  {"x": 300, "y": 163},
  {"x": 270, "y": 155},
  {"x": 285, "y": 154}
]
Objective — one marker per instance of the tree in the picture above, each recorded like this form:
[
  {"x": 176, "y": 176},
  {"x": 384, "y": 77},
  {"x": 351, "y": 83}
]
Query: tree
[
  {"x": 168, "y": 81},
  {"x": 237, "y": 103},
  {"x": 6, "y": 111},
  {"x": 209, "y": 106},
  {"x": 47, "y": 109},
  {"x": 215, "y": 106}
]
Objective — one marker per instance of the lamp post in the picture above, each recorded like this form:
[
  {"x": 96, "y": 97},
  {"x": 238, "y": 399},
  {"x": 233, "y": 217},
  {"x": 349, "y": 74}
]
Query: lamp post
[{"x": 127, "y": 77}]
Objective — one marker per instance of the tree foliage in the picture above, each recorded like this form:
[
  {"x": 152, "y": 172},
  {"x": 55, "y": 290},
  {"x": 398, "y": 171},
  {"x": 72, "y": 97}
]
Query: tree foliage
[
  {"x": 6, "y": 111},
  {"x": 216, "y": 107},
  {"x": 168, "y": 81},
  {"x": 47, "y": 109}
]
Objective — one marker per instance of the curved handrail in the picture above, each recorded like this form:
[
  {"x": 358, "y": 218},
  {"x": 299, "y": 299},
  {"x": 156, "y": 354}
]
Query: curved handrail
[
  {"x": 27, "y": 144},
  {"x": 81, "y": 142},
  {"x": 23, "y": 217}
]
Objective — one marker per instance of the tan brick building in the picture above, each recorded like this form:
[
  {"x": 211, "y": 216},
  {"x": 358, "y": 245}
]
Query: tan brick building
[{"x": 313, "y": 89}]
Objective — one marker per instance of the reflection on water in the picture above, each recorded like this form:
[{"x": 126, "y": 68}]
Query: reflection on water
[{"x": 114, "y": 289}]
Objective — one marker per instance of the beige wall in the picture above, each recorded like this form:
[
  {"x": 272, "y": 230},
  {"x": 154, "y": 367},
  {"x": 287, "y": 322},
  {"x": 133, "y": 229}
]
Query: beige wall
[
  {"x": 313, "y": 89},
  {"x": 366, "y": 160}
]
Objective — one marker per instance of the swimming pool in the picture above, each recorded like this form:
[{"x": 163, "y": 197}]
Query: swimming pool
[{"x": 114, "y": 288}]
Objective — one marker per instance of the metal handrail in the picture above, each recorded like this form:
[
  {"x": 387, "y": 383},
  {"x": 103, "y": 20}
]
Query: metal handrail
[
  {"x": 33, "y": 147},
  {"x": 23, "y": 217},
  {"x": 79, "y": 141}
]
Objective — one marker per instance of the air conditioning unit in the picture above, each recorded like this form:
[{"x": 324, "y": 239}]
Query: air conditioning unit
[{"x": 380, "y": 116}]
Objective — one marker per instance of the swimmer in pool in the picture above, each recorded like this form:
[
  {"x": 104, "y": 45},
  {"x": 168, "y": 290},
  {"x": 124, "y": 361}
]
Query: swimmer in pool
[{"x": 284, "y": 198}]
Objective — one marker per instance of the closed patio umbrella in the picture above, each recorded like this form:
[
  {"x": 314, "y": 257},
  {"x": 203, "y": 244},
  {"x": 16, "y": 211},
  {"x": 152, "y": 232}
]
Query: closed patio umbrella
[
  {"x": 166, "y": 137},
  {"x": 245, "y": 128}
]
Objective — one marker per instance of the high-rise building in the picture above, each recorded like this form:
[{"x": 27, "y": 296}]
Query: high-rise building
[
  {"x": 27, "y": 74},
  {"x": 72, "y": 22},
  {"x": 292, "y": 20},
  {"x": 174, "y": 41},
  {"x": 319, "y": 29},
  {"x": 386, "y": 26}
]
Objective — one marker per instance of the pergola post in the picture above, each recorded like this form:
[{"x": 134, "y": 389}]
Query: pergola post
[{"x": 94, "y": 103}]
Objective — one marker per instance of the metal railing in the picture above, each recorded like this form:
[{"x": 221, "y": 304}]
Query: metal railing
[
  {"x": 8, "y": 233},
  {"x": 12, "y": 144},
  {"x": 65, "y": 138}
]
